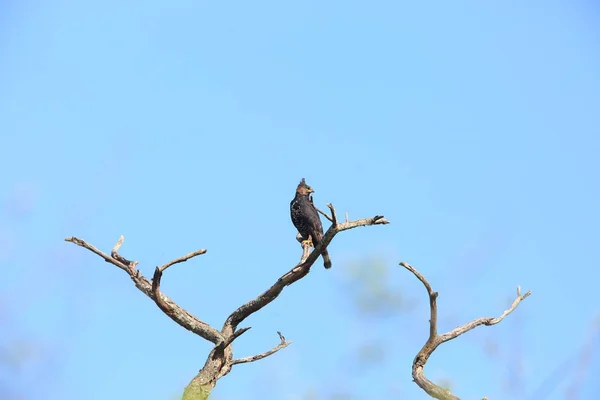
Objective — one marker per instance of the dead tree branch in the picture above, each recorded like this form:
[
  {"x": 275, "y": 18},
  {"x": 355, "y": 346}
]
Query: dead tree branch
[
  {"x": 298, "y": 272},
  {"x": 325, "y": 215},
  {"x": 333, "y": 215},
  {"x": 434, "y": 339},
  {"x": 177, "y": 314},
  {"x": 182, "y": 259},
  {"x": 284, "y": 343},
  {"x": 220, "y": 359}
]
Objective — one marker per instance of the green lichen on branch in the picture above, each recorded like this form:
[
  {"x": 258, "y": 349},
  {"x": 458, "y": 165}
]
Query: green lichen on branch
[{"x": 196, "y": 391}]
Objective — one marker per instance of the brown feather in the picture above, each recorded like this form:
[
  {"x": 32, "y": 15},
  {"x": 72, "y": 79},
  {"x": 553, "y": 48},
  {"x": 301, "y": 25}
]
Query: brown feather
[{"x": 306, "y": 218}]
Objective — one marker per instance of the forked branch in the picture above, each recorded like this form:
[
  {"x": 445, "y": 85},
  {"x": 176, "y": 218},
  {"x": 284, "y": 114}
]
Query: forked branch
[
  {"x": 434, "y": 340},
  {"x": 281, "y": 345},
  {"x": 325, "y": 215},
  {"x": 220, "y": 359},
  {"x": 158, "y": 272},
  {"x": 299, "y": 271},
  {"x": 174, "y": 311}
]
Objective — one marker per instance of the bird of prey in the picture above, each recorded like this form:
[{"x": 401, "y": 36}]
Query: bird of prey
[{"x": 306, "y": 218}]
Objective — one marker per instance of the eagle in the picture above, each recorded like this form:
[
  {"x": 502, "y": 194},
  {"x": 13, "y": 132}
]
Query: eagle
[{"x": 306, "y": 218}]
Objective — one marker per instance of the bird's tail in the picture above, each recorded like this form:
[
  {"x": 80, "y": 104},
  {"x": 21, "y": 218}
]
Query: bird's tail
[
  {"x": 316, "y": 239},
  {"x": 326, "y": 259}
]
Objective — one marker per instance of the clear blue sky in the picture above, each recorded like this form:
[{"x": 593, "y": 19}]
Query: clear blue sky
[{"x": 473, "y": 126}]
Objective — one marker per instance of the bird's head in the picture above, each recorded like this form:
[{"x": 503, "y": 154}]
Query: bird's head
[{"x": 303, "y": 189}]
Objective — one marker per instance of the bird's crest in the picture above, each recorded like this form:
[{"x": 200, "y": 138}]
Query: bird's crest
[{"x": 303, "y": 188}]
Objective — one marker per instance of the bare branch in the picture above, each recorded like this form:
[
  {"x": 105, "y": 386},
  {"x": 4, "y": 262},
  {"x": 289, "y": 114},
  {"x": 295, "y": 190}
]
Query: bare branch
[
  {"x": 182, "y": 259},
  {"x": 158, "y": 275},
  {"x": 434, "y": 340},
  {"x": 94, "y": 250},
  {"x": 114, "y": 253},
  {"x": 432, "y": 300},
  {"x": 489, "y": 321},
  {"x": 175, "y": 312},
  {"x": 514, "y": 305},
  {"x": 325, "y": 215},
  {"x": 333, "y": 214},
  {"x": 220, "y": 360},
  {"x": 117, "y": 246},
  {"x": 296, "y": 273},
  {"x": 156, "y": 292},
  {"x": 346, "y": 216},
  {"x": 319, "y": 211},
  {"x": 284, "y": 343}
]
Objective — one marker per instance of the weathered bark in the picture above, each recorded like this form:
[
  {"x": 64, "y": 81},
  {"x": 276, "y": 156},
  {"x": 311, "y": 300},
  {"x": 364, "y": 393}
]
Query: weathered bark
[
  {"x": 220, "y": 360},
  {"x": 435, "y": 339}
]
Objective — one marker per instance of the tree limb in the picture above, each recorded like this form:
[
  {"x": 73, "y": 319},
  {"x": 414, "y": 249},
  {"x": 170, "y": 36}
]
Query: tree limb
[
  {"x": 333, "y": 214},
  {"x": 284, "y": 343},
  {"x": 434, "y": 340},
  {"x": 182, "y": 259},
  {"x": 220, "y": 360},
  {"x": 174, "y": 311},
  {"x": 324, "y": 214},
  {"x": 298, "y": 272}
]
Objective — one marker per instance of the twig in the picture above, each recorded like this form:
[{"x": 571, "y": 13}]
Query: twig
[
  {"x": 434, "y": 340},
  {"x": 333, "y": 214},
  {"x": 489, "y": 321},
  {"x": 114, "y": 254},
  {"x": 117, "y": 246},
  {"x": 325, "y": 215},
  {"x": 284, "y": 343},
  {"x": 182, "y": 259},
  {"x": 319, "y": 211},
  {"x": 85, "y": 245}
]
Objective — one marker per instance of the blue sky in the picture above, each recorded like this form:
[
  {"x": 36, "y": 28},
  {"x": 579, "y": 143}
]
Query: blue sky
[{"x": 473, "y": 127}]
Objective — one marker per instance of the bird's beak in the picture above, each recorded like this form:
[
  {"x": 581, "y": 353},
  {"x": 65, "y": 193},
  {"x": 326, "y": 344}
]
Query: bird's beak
[{"x": 310, "y": 191}]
